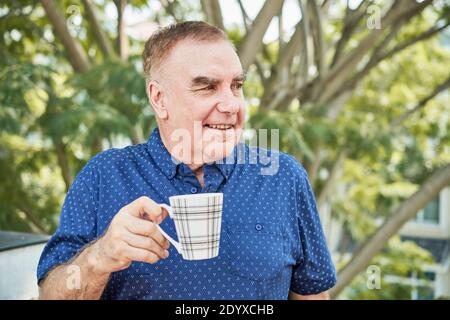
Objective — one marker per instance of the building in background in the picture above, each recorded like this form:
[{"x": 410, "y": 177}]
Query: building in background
[
  {"x": 19, "y": 256},
  {"x": 430, "y": 230}
]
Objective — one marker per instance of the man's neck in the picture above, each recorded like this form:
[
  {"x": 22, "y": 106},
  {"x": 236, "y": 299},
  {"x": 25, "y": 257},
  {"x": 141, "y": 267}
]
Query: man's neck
[
  {"x": 198, "y": 174},
  {"x": 196, "y": 168}
]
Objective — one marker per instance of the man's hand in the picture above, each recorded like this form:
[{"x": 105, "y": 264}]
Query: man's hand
[{"x": 131, "y": 236}]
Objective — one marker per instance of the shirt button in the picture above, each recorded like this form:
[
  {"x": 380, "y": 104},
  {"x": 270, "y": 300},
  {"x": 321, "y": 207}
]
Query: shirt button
[
  {"x": 258, "y": 227},
  {"x": 193, "y": 190}
]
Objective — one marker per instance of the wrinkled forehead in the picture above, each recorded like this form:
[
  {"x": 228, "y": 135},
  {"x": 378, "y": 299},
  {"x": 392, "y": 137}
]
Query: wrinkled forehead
[{"x": 190, "y": 58}]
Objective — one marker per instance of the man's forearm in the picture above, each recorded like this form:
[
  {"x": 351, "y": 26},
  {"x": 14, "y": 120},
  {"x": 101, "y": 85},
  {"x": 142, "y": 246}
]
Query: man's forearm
[{"x": 76, "y": 280}]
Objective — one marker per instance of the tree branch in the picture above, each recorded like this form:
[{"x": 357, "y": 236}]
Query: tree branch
[
  {"x": 317, "y": 35},
  {"x": 259, "y": 66},
  {"x": 281, "y": 34},
  {"x": 213, "y": 13},
  {"x": 103, "y": 40},
  {"x": 328, "y": 186},
  {"x": 292, "y": 47},
  {"x": 31, "y": 218},
  {"x": 422, "y": 103},
  {"x": 346, "y": 66},
  {"x": 312, "y": 167},
  {"x": 325, "y": 4},
  {"x": 297, "y": 44},
  {"x": 252, "y": 43},
  {"x": 122, "y": 38},
  {"x": 245, "y": 16},
  {"x": 63, "y": 162},
  {"x": 423, "y": 36},
  {"x": 342, "y": 154},
  {"x": 281, "y": 68},
  {"x": 77, "y": 57},
  {"x": 301, "y": 78},
  {"x": 96, "y": 146},
  {"x": 137, "y": 136},
  {"x": 169, "y": 7},
  {"x": 399, "y": 216},
  {"x": 351, "y": 20},
  {"x": 379, "y": 56}
]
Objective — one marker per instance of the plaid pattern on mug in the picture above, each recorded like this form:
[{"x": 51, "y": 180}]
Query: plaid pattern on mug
[{"x": 198, "y": 225}]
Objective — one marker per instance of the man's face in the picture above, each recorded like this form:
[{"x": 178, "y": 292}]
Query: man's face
[{"x": 201, "y": 84}]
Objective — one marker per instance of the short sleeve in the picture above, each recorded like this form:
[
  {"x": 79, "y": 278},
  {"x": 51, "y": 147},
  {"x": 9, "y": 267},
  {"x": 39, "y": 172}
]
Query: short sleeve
[
  {"x": 315, "y": 272},
  {"x": 77, "y": 225}
]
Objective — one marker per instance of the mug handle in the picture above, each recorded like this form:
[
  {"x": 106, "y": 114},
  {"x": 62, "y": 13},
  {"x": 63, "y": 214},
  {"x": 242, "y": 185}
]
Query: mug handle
[{"x": 176, "y": 244}]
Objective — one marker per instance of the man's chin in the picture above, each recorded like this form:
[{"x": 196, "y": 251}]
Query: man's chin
[
  {"x": 217, "y": 151},
  {"x": 218, "y": 147}
]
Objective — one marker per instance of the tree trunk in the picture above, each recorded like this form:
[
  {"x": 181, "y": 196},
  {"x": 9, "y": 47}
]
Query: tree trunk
[
  {"x": 34, "y": 221},
  {"x": 407, "y": 210},
  {"x": 97, "y": 146},
  {"x": 77, "y": 56},
  {"x": 100, "y": 35},
  {"x": 212, "y": 11},
  {"x": 170, "y": 8},
  {"x": 312, "y": 167},
  {"x": 329, "y": 183},
  {"x": 252, "y": 43},
  {"x": 137, "y": 136},
  {"x": 63, "y": 162},
  {"x": 122, "y": 39}
]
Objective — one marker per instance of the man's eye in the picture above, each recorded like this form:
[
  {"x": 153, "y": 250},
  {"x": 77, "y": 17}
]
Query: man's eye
[
  {"x": 209, "y": 88},
  {"x": 237, "y": 86}
]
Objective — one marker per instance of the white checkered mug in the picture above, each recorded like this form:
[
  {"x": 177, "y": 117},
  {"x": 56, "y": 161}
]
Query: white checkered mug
[{"x": 198, "y": 220}]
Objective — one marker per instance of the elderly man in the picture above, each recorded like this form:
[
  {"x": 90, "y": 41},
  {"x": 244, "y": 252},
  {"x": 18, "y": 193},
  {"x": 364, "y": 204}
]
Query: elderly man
[{"x": 107, "y": 244}]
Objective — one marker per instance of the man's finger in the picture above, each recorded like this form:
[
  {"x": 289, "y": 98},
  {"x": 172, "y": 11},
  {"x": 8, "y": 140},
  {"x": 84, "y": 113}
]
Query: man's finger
[
  {"x": 147, "y": 244},
  {"x": 137, "y": 254},
  {"x": 164, "y": 214},
  {"x": 146, "y": 208},
  {"x": 147, "y": 229}
]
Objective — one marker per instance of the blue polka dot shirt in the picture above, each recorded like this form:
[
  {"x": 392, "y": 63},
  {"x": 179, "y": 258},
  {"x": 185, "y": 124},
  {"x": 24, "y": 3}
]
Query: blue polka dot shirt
[{"x": 271, "y": 240}]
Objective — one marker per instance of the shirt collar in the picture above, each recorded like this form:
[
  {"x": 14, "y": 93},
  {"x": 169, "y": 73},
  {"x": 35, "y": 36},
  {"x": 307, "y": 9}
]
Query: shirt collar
[
  {"x": 161, "y": 155},
  {"x": 169, "y": 165},
  {"x": 227, "y": 164}
]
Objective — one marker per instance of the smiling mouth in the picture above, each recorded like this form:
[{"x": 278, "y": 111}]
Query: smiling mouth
[{"x": 219, "y": 126}]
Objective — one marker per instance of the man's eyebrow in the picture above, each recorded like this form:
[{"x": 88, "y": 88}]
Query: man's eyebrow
[
  {"x": 205, "y": 81},
  {"x": 241, "y": 77}
]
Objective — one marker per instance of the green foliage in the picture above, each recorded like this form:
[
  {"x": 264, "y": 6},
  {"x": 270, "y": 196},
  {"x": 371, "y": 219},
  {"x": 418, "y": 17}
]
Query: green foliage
[
  {"x": 45, "y": 106},
  {"x": 297, "y": 135},
  {"x": 398, "y": 262}
]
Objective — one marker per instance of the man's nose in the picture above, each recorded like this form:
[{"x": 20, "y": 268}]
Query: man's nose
[{"x": 229, "y": 103}]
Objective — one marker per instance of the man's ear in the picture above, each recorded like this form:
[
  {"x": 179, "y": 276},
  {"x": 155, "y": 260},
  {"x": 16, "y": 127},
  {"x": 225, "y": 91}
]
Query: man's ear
[{"x": 155, "y": 93}]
